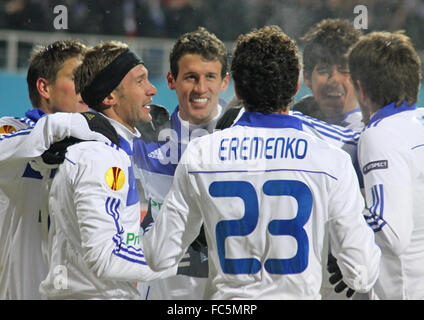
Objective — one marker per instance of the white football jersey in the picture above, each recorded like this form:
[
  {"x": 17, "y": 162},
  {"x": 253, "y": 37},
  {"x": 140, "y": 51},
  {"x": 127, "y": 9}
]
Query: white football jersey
[
  {"x": 341, "y": 137},
  {"x": 269, "y": 196},
  {"x": 353, "y": 120},
  {"x": 391, "y": 155},
  {"x": 155, "y": 167},
  {"x": 22, "y": 192},
  {"x": 22, "y": 266},
  {"x": 344, "y": 138},
  {"x": 94, "y": 239}
]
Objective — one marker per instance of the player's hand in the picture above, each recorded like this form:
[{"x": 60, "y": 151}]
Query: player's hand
[
  {"x": 337, "y": 277},
  {"x": 56, "y": 153}
]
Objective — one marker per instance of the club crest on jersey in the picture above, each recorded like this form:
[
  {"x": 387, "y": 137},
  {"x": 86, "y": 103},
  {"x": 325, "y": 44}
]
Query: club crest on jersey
[
  {"x": 115, "y": 178},
  {"x": 7, "y": 129}
]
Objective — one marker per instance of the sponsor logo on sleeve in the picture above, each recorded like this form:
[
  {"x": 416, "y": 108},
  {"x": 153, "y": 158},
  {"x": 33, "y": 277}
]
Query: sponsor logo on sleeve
[
  {"x": 374, "y": 165},
  {"x": 7, "y": 129},
  {"x": 115, "y": 178}
]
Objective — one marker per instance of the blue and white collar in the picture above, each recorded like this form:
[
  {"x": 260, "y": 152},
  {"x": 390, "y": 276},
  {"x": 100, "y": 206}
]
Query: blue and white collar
[
  {"x": 271, "y": 120},
  {"x": 35, "y": 114},
  {"x": 390, "y": 110},
  {"x": 126, "y": 136}
]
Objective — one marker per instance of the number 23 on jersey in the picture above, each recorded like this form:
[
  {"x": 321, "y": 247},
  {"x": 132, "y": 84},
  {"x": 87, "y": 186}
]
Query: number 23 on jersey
[{"x": 248, "y": 223}]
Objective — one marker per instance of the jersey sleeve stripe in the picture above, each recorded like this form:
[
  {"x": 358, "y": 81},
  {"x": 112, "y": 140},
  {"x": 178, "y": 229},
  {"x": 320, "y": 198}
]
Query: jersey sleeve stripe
[
  {"x": 15, "y": 134},
  {"x": 122, "y": 250},
  {"x": 27, "y": 121},
  {"x": 347, "y": 133},
  {"x": 374, "y": 218},
  {"x": 353, "y": 140}
]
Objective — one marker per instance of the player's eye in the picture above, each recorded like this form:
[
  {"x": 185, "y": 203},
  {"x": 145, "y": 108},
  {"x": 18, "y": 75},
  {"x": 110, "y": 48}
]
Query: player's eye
[
  {"x": 344, "y": 71},
  {"x": 322, "y": 71}
]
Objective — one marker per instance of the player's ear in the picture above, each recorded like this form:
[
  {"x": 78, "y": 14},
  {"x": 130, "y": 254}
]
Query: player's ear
[
  {"x": 111, "y": 99},
  {"x": 307, "y": 79},
  {"x": 360, "y": 93},
  {"x": 225, "y": 82},
  {"x": 43, "y": 88},
  {"x": 170, "y": 80},
  {"x": 236, "y": 91}
]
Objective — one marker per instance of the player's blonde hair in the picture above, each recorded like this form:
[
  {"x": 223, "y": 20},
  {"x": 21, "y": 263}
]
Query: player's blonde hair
[{"x": 46, "y": 61}]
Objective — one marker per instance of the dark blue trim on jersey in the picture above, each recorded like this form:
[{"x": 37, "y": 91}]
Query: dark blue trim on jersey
[
  {"x": 143, "y": 161},
  {"x": 375, "y": 219},
  {"x": 351, "y": 111},
  {"x": 341, "y": 131},
  {"x": 122, "y": 250},
  {"x": 271, "y": 120},
  {"x": 31, "y": 173},
  {"x": 345, "y": 135},
  {"x": 265, "y": 170},
  {"x": 70, "y": 161},
  {"x": 132, "y": 196},
  {"x": 125, "y": 145},
  {"x": 143, "y": 149},
  {"x": 21, "y": 132},
  {"x": 418, "y": 146},
  {"x": 112, "y": 145},
  {"x": 336, "y": 136},
  {"x": 35, "y": 114},
  {"x": 388, "y": 111}
]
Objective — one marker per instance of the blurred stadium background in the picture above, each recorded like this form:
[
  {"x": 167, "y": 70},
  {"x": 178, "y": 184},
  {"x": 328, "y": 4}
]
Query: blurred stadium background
[{"x": 151, "y": 26}]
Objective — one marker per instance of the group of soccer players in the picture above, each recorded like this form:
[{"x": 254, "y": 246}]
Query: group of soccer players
[{"x": 267, "y": 207}]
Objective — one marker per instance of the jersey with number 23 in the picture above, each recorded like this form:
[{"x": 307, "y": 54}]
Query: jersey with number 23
[{"x": 269, "y": 195}]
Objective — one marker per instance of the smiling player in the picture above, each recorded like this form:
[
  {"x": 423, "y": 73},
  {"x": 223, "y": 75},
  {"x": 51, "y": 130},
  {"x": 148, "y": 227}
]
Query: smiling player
[
  {"x": 326, "y": 73},
  {"x": 198, "y": 63},
  {"x": 267, "y": 212}
]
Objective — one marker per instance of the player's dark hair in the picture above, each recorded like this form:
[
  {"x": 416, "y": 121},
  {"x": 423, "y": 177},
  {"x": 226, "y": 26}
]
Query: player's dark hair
[
  {"x": 95, "y": 60},
  {"x": 199, "y": 42},
  {"x": 45, "y": 62},
  {"x": 265, "y": 69},
  {"x": 328, "y": 42},
  {"x": 387, "y": 66}
]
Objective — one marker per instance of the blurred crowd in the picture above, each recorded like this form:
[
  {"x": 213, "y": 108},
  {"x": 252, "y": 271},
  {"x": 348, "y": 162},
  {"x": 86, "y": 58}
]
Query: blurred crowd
[{"x": 226, "y": 18}]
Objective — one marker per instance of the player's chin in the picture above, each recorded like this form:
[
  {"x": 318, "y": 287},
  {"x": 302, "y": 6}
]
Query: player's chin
[
  {"x": 144, "y": 115},
  {"x": 200, "y": 118},
  {"x": 334, "y": 102}
]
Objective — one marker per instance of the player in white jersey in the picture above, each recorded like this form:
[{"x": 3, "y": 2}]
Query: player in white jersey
[
  {"x": 268, "y": 194},
  {"x": 326, "y": 73},
  {"x": 198, "y": 62},
  {"x": 386, "y": 73},
  {"x": 51, "y": 89},
  {"x": 94, "y": 239}
]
